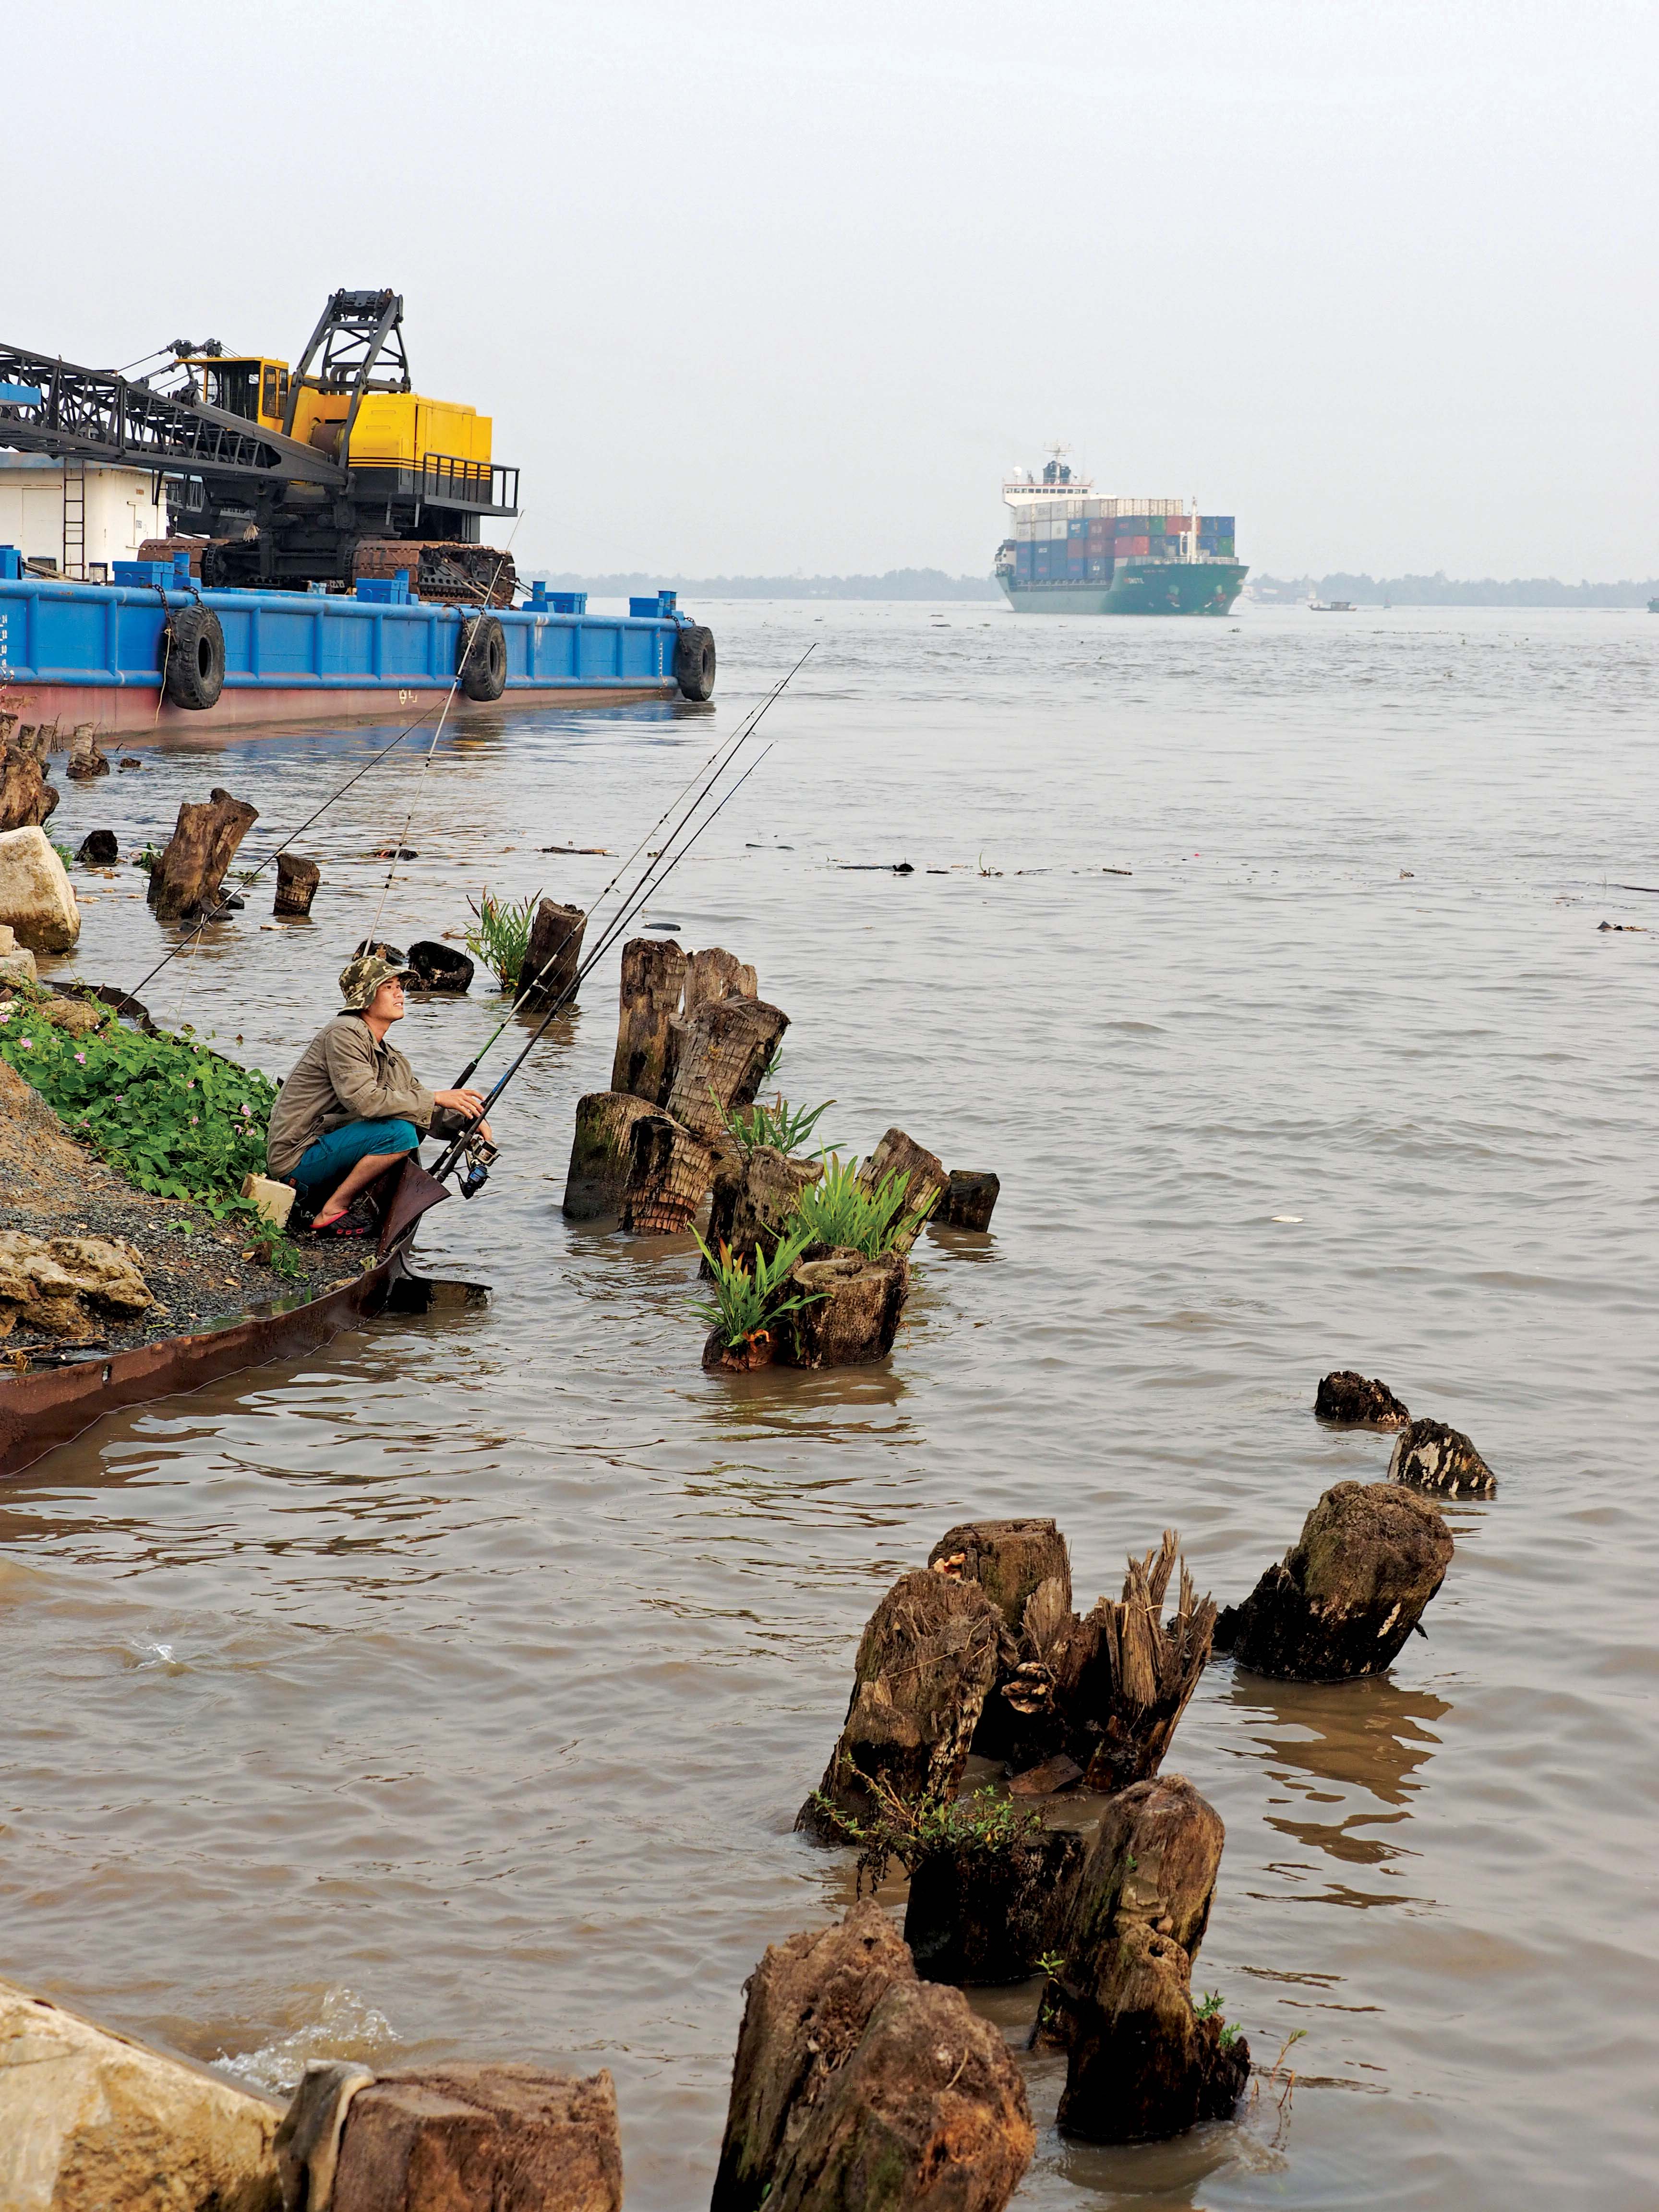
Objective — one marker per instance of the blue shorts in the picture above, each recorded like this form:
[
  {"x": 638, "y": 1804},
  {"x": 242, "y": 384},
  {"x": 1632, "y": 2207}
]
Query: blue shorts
[{"x": 326, "y": 1162}]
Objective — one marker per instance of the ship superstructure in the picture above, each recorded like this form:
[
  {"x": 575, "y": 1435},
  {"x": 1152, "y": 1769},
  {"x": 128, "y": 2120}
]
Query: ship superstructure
[{"x": 1072, "y": 553}]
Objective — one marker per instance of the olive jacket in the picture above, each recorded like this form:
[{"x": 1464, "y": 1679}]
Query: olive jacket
[{"x": 348, "y": 1074}]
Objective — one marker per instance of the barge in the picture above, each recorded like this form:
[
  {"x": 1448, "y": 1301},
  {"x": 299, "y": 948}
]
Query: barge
[{"x": 153, "y": 650}]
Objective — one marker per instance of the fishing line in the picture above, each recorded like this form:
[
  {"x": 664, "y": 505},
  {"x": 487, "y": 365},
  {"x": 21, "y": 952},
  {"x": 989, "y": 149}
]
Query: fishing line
[
  {"x": 728, "y": 747},
  {"x": 657, "y": 874}
]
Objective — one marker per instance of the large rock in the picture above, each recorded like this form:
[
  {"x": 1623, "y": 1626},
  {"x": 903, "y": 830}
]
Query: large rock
[
  {"x": 924, "y": 1663},
  {"x": 481, "y": 2139},
  {"x": 1007, "y": 1558},
  {"x": 27, "y": 799},
  {"x": 95, "y": 2122},
  {"x": 1359, "y": 1401},
  {"x": 1430, "y": 1456},
  {"x": 36, "y": 898},
  {"x": 856, "y": 2088},
  {"x": 1140, "y": 2062},
  {"x": 1349, "y": 1592}
]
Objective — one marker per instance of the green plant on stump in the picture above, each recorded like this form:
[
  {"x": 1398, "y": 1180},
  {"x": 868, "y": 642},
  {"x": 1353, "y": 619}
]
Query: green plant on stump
[
  {"x": 747, "y": 1302},
  {"x": 501, "y": 935},
  {"x": 175, "y": 1118},
  {"x": 838, "y": 1209},
  {"x": 929, "y": 1828},
  {"x": 780, "y": 1125}
]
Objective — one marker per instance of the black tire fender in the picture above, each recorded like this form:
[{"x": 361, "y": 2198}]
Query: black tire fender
[
  {"x": 694, "y": 662},
  {"x": 194, "y": 665},
  {"x": 483, "y": 658}
]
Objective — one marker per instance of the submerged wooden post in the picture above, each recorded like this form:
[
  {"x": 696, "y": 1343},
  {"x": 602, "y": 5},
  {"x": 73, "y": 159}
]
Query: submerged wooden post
[
  {"x": 296, "y": 885},
  {"x": 27, "y": 799},
  {"x": 556, "y": 946},
  {"x": 855, "y": 1305},
  {"x": 927, "y": 1184},
  {"x": 717, "y": 974},
  {"x": 754, "y": 1195},
  {"x": 457, "y": 2138},
  {"x": 599, "y": 1153},
  {"x": 652, "y": 976},
  {"x": 669, "y": 1172},
  {"x": 726, "y": 1048},
  {"x": 203, "y": 843}
]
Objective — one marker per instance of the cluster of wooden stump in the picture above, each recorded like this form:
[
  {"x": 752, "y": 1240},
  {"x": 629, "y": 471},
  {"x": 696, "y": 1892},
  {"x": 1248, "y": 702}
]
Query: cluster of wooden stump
[{"x": 694, "y": 1042}]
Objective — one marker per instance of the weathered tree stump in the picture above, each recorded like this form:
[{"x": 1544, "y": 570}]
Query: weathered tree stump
[
  {"x": 599, "y": 1151},
  {"x": 1430, "y": 1456},
  {"x": 101, "y": 849},
  {"x": 437, "y": 967},
  {"x": 555, "y": 954},
  {"x": 717, "y": 974},
  {"x": 855, "y": 1307},
  {"x": 855, "y": 2085},
  {"x": 1141, "y": 2065},
  {"x": 653, "y": 977},
  {"x": 188, "y": 876},
  {"x": 926, "y": 1661},
  {"x": 27, "y": 799},
  {"x": 1009, "y": 1560},
  {"x": 1346, "y": 1597},
  {"x": 1359, "y": 1401},
  {"x": 669, "y": 1172},
  {"x": 726, "y": 1048},
  {"x": 86, "y": 761},
  {"x": 393, "y": 955},
  {"x": 806, "y": 2006},
  {"x": 754, "y": 1194},
  {"x": 481, "y": 2139},
  {"x": 927, "y": 1184},
  {"x": 296, "y": 885},
  {"x": 969, "y": 1200},
  {"x": 978, "y": 1915}
]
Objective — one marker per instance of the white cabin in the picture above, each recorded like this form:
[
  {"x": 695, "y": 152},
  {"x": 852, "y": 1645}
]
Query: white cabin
[{"x": 83, "y": 517}]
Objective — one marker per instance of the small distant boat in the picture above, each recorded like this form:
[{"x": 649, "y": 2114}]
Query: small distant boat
[
  {"x": 1332, "y": 607},
  {"x": 1653, "y": 606}
]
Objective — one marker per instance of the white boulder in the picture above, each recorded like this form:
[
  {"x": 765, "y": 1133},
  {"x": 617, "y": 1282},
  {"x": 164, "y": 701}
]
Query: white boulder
[{"x": 36, "y": 898}]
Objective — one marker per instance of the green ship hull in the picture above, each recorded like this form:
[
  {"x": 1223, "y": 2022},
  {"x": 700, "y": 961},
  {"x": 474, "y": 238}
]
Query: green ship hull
[{"x": 1137, "y": 588}]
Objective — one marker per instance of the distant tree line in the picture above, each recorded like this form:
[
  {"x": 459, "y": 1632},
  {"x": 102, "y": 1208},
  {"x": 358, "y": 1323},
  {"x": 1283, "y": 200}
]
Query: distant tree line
[
  {"x": 896, "y": 584},
  {"x": 1442, "y": 591}
]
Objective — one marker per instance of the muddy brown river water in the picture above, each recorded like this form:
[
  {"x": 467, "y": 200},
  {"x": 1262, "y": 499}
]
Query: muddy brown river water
[{"x": 453, "y": 1692}]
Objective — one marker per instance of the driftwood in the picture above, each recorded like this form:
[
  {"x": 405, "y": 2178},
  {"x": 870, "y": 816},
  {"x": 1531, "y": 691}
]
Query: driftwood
[
  {"x": 855, "y": 1305},
  {"x": 101, "y": 849},
  {"x": 927, "y": 1182},
  {"x": 1430, "y": 1456},
  {"x": 716, "y": 974},
  {"x": 1108, "y": 1690},
  {"x": 969, "y": 1199},
  {"x": 1009, "y": 1560},
  {"x": 86, "y": 760},
  {"x": 728, "y": 1046},
  {"x": 1141, "y": 2064},
  {"x": 556, "y": 946},
  {"x": 27, "y": 799},
  {"x": 296, "y": 885},
  {"x": 434, "y": 966},
  {"x": 856, "y": 2084},
  {"x": 1347, "y": 1594},
  {"x": 753, "y": 1196},
  {"x": 468, "y": 2139},
  {"x": 187, "y": 877},
  {"x": 599, "y": 1153},
  {"x": 979, "y": 1913},
  {"x": 925, "y": 1663},
  {"x": 1359, "y": 1401},
  {"x": 669, "y": 1172},
  {"x": 652, "y": 976}
]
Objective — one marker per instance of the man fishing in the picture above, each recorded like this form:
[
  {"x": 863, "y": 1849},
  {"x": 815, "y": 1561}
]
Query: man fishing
[{"x": 352, "y": 1107}]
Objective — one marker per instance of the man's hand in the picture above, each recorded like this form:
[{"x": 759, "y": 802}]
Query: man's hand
[{"x": 467, "y": 1103}]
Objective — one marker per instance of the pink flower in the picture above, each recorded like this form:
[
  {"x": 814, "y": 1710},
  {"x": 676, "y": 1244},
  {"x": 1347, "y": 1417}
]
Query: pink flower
[
  {"x": 192, "y": 1120},
  {"x": 5, "y": 1013},
  {"x": 190, "y": 1085},
  {"x": 28, "y": 1044},
  {"x": 247, "y": 1110},
  {"x": 82, "y": 1057}
]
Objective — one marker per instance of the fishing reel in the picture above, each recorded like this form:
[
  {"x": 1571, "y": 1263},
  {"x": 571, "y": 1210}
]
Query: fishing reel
[{"x": 479, "y": 1156}]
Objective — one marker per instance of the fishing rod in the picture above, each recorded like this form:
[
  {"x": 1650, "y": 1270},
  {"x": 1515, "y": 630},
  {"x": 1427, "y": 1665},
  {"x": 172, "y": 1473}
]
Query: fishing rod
[
  {"x": 482, "y": 1154},
  {"x": 728, "y": 747}
]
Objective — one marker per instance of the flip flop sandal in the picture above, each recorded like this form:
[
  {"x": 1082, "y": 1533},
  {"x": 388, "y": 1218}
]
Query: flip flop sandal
[{"x": 343, "y": 1224}]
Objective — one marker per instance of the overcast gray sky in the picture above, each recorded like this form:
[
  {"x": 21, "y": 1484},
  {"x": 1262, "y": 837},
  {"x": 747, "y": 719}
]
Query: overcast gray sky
[{"x": 756, "y": 289}]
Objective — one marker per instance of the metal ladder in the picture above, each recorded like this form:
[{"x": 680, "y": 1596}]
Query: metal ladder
[{"x": 74, "y": 520}]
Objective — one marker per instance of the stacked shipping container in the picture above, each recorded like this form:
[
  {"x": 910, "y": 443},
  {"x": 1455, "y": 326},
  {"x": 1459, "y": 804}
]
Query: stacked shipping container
[{"x": 1080, "y": 540}]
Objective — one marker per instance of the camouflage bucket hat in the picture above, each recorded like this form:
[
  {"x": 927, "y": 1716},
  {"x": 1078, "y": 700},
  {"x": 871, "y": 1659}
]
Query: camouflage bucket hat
[{"x": 362, "y": 978}]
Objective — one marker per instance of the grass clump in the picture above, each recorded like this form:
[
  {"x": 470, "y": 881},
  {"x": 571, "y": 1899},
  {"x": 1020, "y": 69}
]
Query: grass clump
[
  {"x": 780, "y": 1125},
  {"x": 500, "y": 935},
  {"x": 838, "y": 1209},
  {"x": 748, "y": 1303}
]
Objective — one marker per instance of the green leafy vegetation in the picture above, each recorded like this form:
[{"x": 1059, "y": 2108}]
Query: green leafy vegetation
[
  {"x": 780, "y": 1125},
  {"x": 500, "y": 936},
  {"x": 65, "y": 853},
  {"x": 931, "y": 1827},
  {"x": 747, "y": 1301},
  {"x": 148, "y": 860},
  {"x": 838, "y": 1209},
  {"x": 1051, "y": 1962}
]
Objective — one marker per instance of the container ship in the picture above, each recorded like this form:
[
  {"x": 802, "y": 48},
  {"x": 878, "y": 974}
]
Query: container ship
[{"x": 1073, "y": 554}]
